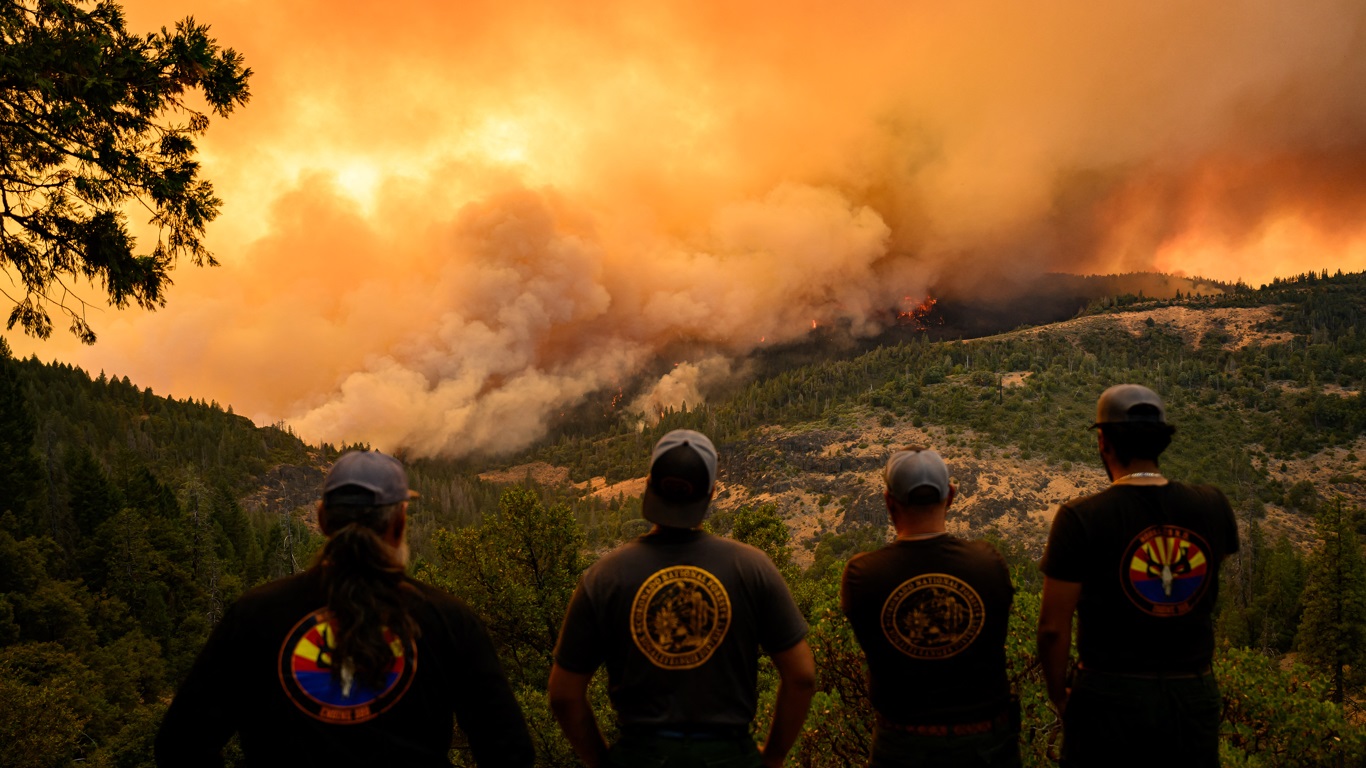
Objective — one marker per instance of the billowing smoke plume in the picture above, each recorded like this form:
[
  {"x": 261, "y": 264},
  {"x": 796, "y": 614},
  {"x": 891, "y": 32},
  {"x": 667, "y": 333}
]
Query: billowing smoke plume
[
  {"x": 524, "y": 315},
  {"x": 445, "y": 223},
  {"x": 686, "y": 385}
]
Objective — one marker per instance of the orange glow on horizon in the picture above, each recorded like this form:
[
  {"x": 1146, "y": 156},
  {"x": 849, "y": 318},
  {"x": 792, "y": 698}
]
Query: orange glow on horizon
[{"x": 444, "y": 223}]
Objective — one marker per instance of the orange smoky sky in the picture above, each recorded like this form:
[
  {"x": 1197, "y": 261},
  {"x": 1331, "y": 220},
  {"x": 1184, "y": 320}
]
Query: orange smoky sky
[{"x": 444, "y": 223}]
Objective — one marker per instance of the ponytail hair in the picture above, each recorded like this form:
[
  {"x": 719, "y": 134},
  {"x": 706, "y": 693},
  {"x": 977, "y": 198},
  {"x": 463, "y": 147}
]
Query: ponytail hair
[{"x": 363, "y": 579}]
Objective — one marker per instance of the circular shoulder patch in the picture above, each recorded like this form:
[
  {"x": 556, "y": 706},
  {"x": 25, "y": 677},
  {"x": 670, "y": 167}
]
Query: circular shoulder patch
[
  {"x": 1165, "y": 570},
  {"x": 680, "y": 616},
  {"x": 306, "y": 673},
  {"x": 932, "y": 616}
]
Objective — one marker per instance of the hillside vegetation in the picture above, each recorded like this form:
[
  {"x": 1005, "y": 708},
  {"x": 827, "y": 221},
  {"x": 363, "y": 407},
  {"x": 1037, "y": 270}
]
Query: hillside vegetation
[
  {"x": 1263, "y": 386},
  {"x": 129, "y": 521}
]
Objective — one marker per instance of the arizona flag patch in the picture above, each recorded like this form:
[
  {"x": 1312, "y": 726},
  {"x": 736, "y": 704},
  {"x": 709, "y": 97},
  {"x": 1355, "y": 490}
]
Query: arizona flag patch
[
  {"x": 317, "y": 688},
  {"x": 1166, "y": 570}
]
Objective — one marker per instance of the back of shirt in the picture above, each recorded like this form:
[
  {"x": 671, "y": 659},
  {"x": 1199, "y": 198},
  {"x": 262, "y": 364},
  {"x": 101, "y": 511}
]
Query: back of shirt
[
  {"x": 267, "y": 674},
  {"x": 1147, "y": 557},
  {"x": 678, "y": 617},
  {"x": 931, "y": 616}
]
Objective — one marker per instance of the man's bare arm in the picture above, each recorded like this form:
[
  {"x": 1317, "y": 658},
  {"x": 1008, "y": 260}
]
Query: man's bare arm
[
  {"x": 569, "y": 703},
  {"x": 1055, "y": 635},
  {"x": 796, "y": 685}
]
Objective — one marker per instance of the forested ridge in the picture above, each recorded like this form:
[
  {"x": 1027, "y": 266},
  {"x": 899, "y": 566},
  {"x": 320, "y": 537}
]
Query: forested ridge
[
  {"x": 128, "y": 521},
  {"x": 122, "y": 540}
]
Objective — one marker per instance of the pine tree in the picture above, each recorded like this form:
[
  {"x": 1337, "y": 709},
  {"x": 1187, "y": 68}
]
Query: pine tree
[
  {"x": 94, "y": 121},
  {"x": 1332, "y": 634},
  {"x": 93, "y": 498},
  {"x": 1280, "y": 590},
  {"x": 20, "y": 472}
]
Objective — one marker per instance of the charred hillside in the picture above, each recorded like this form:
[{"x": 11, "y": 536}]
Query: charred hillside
[{"x": 957, "y": 309}]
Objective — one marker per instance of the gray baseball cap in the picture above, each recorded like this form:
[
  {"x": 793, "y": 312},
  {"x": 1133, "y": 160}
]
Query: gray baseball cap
[
  {"x": 911, "y": 469},
  {"x": 366, "y": 478},
  {"x": 1129, "y": 403},
  {"x": 682, "y": 478}
]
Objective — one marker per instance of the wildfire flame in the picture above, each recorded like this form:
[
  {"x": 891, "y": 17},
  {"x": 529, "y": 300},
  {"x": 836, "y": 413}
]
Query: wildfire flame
[{"x": 916, "y": 314}]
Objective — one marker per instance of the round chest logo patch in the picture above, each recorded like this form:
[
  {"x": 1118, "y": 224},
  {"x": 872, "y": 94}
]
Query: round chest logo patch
[
  {"x": 679, "y": 617},
  {"x": 306, "y": 672},
  {"x": 1166, "y": 570},
  {"x": 932, "y": 616}
]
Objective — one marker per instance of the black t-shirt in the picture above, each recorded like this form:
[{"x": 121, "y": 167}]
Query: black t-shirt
[
  {"x": 931, "y": 616},
  {"x": 678, "y": 617},
  {"x": 1147, "y": 557},
  {"x": 264, "y": 675}
]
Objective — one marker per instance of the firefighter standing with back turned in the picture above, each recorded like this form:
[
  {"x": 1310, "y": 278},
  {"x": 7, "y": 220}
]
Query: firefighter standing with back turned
[
  {"x": 350, "y": 663},
  {"x": 930, "y": 611},
  {"x": 679, "y": 616},
  {"x": 1138, "y": 563}
]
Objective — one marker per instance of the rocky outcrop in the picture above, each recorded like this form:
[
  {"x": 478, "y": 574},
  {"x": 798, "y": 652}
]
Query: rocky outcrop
[{"x": 285, "y": 488}]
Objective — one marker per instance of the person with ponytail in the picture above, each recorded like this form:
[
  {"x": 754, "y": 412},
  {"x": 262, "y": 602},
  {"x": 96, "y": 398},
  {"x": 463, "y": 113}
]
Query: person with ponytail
[{"x": 351, "y": 662}]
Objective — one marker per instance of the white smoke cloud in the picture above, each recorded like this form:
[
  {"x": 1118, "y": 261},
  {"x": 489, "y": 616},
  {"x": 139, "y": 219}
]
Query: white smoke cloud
[
  {"x": 683, "y": 387},
  {"x": 535, "y": 316}
]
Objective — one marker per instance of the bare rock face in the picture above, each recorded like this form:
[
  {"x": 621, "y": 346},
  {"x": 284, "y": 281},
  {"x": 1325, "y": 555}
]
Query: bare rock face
[
  {"x": 830, "y": 480},
  {"x": 285, "y": 488}
]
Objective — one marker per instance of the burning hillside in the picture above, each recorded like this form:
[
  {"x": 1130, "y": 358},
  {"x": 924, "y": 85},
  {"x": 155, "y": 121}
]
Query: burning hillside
[{"x": 502, "y": 209}]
